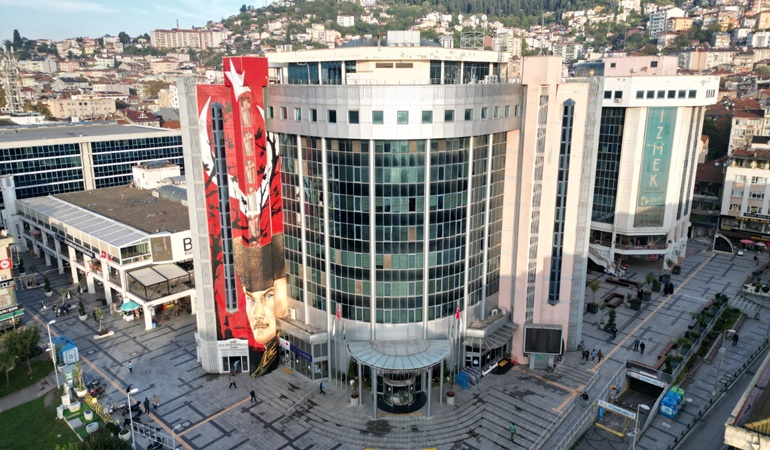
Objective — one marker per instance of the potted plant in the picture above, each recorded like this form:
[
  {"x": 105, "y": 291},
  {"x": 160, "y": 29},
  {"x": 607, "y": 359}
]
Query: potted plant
[
  {"x": 450, "y": 396},
  {"x": 636, "y": 303},
  {"x": 602, "y": 307},
  {"x": 82, "y": 311},
  {"x": 611, "y": 321},
  {"x": 647, "y": 296},
  {"x": 77, "y": 380},
  {"x": 63, "y": 295},
  {"x": 354, "y": 395},
  {"x": 124, "y": 434},
  {"x": 650, "y": 278},
  {"x": 676, "y": 270},
  {"x": 47, "y": 287},
  {"x": 98, "y": 315},
  {"x": 684, "y": 345},
  {"x": 594, "y": 286}
]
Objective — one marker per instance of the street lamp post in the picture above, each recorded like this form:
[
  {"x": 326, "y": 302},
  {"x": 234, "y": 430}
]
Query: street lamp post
[
  {"x": 721, "y": 361},
  {"x": 173, "y": 436},
  {"x": 636, "y": 427},
  {"x": 53, "y": 352},
  {"x": 131, "y": 414}
]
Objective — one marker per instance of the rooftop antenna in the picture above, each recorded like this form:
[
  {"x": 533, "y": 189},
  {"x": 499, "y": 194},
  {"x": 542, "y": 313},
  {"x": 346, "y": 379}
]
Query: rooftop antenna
[{"x": 177, "y": 24}]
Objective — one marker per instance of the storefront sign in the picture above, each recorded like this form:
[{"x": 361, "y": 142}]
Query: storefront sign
[
  {"x": 6, "y": 264},
  {"x": 646, "y": 379},
  {"x": 233, "y": 347},
  {"x": 10, "y": 309},
  {"x": 7, "y": 283},
  {"x": 758, "y": 216},
  {"x": 656, "y": 164},
  {"x": 77, "y": 247},
  {"x": 301, "y": 353},
  {"x": 616, "y": 409}
]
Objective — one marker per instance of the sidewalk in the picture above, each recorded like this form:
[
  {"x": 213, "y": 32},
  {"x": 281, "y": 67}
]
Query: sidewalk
[{"x": 28, "y": 394}]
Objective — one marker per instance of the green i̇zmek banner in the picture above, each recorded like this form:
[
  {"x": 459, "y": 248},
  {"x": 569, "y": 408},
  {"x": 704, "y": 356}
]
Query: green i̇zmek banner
[{"x": 656, "y": 163}]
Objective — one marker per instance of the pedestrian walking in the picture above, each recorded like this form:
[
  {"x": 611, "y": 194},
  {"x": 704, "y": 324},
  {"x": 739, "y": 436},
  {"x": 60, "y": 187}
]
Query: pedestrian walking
[
  {"x": 235, "y": 366},
  {"x": 42, "y": 305},
  {"x": 253, "y": 396},
  {"x": 147, "y": 405},
  {"x": 512, "y": 429},
  {"x": 756, "y": 260},
  {"x": 586, "y": 354},
  {"x": 735, "y": 340},
  {"x": 232, "y": 383},
  {"x": 641, "y": 347},
  {"x": 584, "y": 398},
  {"x": 130, "y": 366},
  {"x": 322, "y": 388},
  {"x": 614, "y": 332},
  {"x": 593, "y": 355},
  {"x": 636, "y": 344},
  {"x": 155, "y": 402},
  {"x": 600, "y": 355}
]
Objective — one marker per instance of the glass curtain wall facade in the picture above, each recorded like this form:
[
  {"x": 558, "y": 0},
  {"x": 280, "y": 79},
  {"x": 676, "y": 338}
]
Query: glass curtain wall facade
[
  {"x": 608, "y": 164},
  {"x": 418, "y": 204}
]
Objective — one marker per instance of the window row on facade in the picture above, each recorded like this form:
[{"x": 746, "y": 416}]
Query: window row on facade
[{"x": 401, "y": 117}]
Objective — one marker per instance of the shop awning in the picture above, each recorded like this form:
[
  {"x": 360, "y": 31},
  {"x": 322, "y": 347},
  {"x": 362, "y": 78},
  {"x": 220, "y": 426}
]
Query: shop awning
[
  {"x": 400, "y": 356},
  {"x": 497, "y": 339}
]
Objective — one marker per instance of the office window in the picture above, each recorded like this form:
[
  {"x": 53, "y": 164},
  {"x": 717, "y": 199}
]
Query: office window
[
  {"x": 270, "y": 112},
  {"x": 353, "y": 117},
  {"x": 332, "y": 116},
  {"x": 681, "y": 94},
  {"x": 736, "y": 193},
  {"x": 484, "y": 112},
  {"x": 377, "y": 117},
  {"x": 607, "y": 94},
  {"x": 661, "y": 94},
  {"x": 740, "y": 178},
  {"x": 653, "y": 64},
  {"x": 756, "y": 195},
  {"x": 516, "y": 110},
  {"x": 314, "y": 115},
  {"x": 402, "y": 117},
  {"x": 449, "y": 115},
  {"x": 618, "y": 94},
  {"x": 496, "y": 112},
  {"x": 650, "y": 94},
  {"x": 427, "y": 117},
  {"x": 759, "y": 180},
  {"x": 298, "y": 114},
  {"x": 284, "y": 113},
  {"x": 639, "y": 95},
  {"x": 691, "y": 93},
  {"x": 612, "y": 65},
  {"x": 671, "y": 94},
  {"x": 468, "y": 114},
  {"x": 507, "y": 110}
]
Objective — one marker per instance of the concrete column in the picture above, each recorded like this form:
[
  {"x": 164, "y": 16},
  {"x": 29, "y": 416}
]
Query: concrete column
[
  {"x": 441, "y": 384},
  {"x": 374, "y": 390},
  {"x": 59, "y": 260},
  {"x": 44, "y": 235},
  {"x": 35, "y": 247},
  {"x": 428, "y": 374},
  {"x": 108, "y": 294},
  {"x": 360, "y": 385},
  {"x": 89, "y": 275},
  {"x": 147, "y": 317},
  {"x": 73, "y": 269}
]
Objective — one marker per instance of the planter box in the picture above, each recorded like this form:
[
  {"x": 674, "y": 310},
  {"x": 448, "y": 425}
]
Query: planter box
[
  {"x": 647, "y": 296},
  {"x": 636, "y": 306},
  {"x": 48, "y": 294},
  {"x": 74, "y": 407},
  {"x": 656, "y": 287},
  {"x": 88, "y": 415},
  {"x": 592, "y": 308},
  {"x": 81, "y": 392},
  {"x": 353, "y": 401},
  {"x": 92, "y": 427},
  {"x": 125, "y": 434},
  {"x": 676, "y": 270},
  {"x": 83, "y": 317},
  {"x": 450, "y": 400}
]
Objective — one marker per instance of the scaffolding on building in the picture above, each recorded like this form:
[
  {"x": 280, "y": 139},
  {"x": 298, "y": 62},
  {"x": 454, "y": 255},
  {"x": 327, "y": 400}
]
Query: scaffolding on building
[{"x": 11, "y": 83}]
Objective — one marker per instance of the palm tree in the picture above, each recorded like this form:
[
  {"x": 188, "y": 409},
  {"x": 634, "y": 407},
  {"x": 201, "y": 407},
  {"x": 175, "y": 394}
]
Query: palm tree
[{"x": 594, "y": 286}]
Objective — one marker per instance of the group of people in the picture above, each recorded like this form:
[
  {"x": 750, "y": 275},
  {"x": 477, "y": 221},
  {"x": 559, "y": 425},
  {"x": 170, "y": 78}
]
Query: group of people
[
  {"x": 639, "y": 345},
  {"x": 593, "y": 354}
]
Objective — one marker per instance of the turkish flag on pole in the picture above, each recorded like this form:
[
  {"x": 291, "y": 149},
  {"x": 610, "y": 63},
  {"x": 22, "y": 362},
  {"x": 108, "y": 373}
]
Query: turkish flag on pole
[
  {"x": 103, "y": 255},
  {"x": 339, "y": 311},
  {"x": 457, "y": 313}
]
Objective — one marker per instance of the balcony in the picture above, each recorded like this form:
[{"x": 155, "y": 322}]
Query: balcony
[{"x": 155, "y": 282}]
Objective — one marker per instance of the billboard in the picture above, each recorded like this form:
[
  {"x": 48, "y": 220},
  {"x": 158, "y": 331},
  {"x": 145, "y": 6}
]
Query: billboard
[
  {"x": 244, "y": 210},
  {"x": 543, "y": 339},
  {"x": 656, "y": 163},
  {"x": 160, "y": 247}
]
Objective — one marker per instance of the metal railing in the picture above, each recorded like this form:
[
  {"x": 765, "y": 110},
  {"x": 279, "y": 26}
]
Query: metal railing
[
  {"x": 588, "y": 416},
  {"x": 567, "y": 409}
]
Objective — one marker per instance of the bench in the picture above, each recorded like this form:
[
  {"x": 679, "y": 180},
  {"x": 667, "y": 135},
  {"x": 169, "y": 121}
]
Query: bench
[
  {"x": 617, "y": 282},
  {"x": 631, "y": 282},
  {"x": 662, "y": 355},
  {"x": 739, "y": 322},
  {"x": 614, "y": 299}
]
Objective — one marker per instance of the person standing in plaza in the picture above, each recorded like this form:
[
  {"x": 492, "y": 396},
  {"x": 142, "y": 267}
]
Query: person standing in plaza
[
  {"x": 584, "y": 398},
  {"x": 593, "y": 355},
  {"x": 130, "y": 366},
  {"x": 641, "y": 347},
  {"x": 253, "y": 396},
  {"x": 636, "y": 344},
  {"x": 147, "y": 405},
  {"x": 232, "y": 383},
  {"x": 512, "y": 429},
  {"x": 322, "y": 388},
  {"x": 155, "y": 402},
  {"x": 600, "y": 355},
  {"x": 735, "y": 340}
]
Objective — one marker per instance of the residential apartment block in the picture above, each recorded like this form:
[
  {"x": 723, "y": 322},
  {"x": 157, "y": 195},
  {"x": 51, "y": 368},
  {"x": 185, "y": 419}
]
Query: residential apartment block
[
  {"x": 81, "y": 106},
  {"x": 197, "y": 38}
]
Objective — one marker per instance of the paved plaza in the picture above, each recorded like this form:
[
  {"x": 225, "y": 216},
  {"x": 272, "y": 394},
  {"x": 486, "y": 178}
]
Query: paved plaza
[{"x": 290, "y": 413}]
